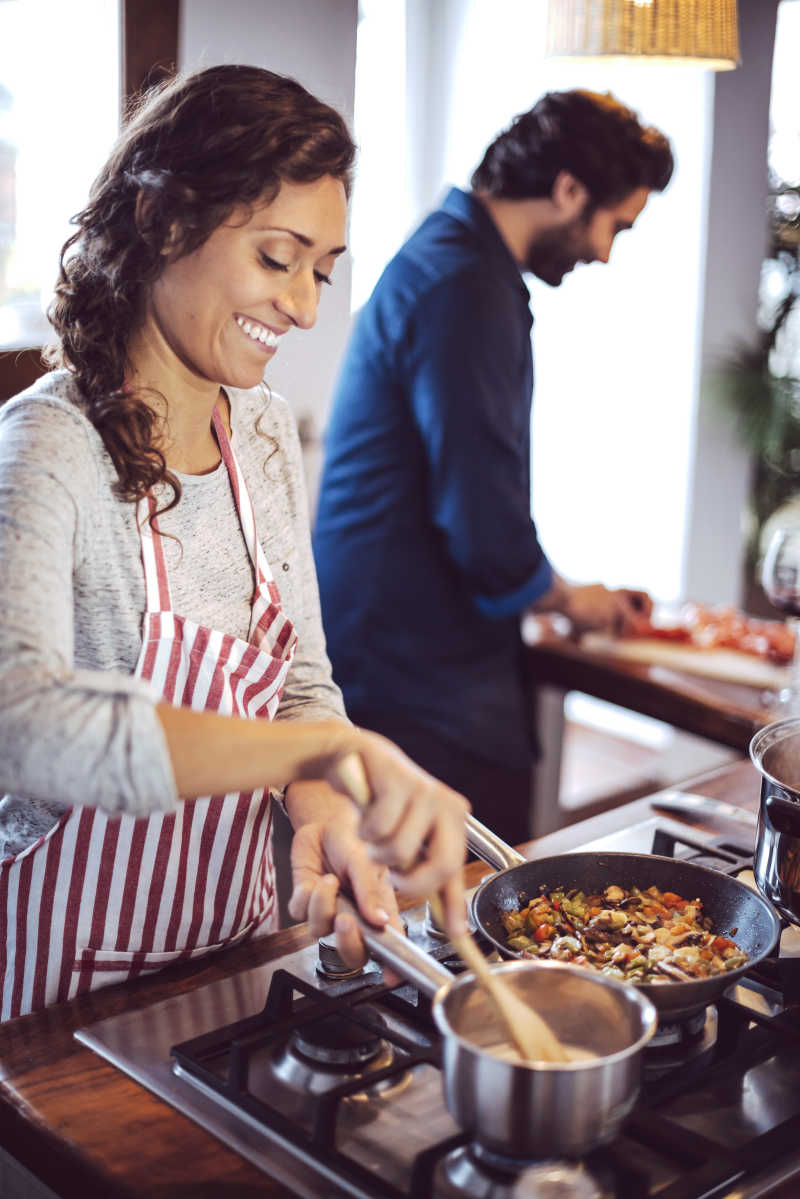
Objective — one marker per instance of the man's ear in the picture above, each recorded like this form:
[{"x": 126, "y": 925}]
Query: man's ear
[{"x": 569, "y": 195}]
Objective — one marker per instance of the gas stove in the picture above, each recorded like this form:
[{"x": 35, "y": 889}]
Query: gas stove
[{"x": 331, "y": 1082}]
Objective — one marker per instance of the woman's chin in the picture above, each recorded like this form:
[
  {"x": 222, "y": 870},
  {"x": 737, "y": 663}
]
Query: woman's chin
[{"x": 245, "y": 379}]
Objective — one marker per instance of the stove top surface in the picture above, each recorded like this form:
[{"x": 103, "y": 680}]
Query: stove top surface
[{"x": 347, "y": 1075}]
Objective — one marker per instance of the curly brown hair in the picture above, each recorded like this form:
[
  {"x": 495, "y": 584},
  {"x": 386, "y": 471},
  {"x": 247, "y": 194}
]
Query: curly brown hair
[{"x": 194, "y": 149}]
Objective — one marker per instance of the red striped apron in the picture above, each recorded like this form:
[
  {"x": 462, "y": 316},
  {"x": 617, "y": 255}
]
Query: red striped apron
[{"x": 99, "y": 899}]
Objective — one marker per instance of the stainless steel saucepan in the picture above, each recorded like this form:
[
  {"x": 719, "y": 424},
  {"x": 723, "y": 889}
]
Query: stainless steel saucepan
[
  {"x": 541, "y": 1109},
  {"x": 775, "y": 753}
]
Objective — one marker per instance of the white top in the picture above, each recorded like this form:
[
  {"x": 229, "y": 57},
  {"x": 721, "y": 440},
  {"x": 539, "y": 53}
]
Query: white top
[{"x": 75, "y": 726}]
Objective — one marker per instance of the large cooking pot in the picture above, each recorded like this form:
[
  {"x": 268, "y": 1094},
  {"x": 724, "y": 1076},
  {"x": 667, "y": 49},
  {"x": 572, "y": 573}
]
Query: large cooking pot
[
  {"x": 775, "y": 752},
  {"x": 728, "y": 903},
  {"x": 542, "y": 1109}
]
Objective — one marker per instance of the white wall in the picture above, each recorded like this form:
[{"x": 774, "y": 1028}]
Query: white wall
[
  {"x": 616, "y": 346},
  {"x": 314, "y": 41},
  {"x": 636, "y": 480}
]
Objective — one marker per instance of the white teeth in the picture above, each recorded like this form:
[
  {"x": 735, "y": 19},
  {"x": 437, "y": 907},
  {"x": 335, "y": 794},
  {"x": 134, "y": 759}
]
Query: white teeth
[{"x": 257, "y": 332}]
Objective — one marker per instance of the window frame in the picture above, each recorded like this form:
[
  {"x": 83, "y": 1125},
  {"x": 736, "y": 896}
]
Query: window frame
[{"x": 148, "y": 51}]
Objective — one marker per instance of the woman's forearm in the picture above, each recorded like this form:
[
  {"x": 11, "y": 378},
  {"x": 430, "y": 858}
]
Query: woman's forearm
[{"x": 214, "y": 754}]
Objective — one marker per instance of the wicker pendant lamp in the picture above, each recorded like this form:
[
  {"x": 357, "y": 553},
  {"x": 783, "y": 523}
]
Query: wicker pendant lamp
[{"x": 703, "y": 32}]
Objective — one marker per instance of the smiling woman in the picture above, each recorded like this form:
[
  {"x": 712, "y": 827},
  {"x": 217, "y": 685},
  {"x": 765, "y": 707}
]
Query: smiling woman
[
  {"x": 154, "y": 681},
  {"x": 223, "y": 308}
]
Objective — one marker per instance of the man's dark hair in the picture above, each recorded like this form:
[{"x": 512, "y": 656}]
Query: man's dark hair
[{"x": 591, "y": 135}]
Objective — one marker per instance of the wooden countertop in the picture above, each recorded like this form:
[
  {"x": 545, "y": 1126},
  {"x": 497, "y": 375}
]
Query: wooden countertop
[
  {"x": 728, "y": 713},
  {"x": 87, "y": 1130}
]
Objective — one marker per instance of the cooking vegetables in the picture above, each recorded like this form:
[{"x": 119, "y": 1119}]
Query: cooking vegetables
[{"x": 639, "y": 936}]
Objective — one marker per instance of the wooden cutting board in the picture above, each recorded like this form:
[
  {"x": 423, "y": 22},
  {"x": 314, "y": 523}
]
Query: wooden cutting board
[{"x": 727, "y": 664}]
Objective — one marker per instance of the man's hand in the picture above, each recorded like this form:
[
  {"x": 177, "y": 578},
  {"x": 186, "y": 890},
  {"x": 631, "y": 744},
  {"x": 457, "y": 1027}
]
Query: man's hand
[{"x": 595, "y": 607}]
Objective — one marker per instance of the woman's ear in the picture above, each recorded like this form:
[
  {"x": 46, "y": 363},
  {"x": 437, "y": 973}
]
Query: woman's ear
[
  {"x": 569, "y": 195},
  {"x": 143, "y": 214}
]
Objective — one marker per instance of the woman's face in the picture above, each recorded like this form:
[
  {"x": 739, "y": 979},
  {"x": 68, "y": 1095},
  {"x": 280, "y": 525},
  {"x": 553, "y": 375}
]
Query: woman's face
[{"x": 222, "y": 309}]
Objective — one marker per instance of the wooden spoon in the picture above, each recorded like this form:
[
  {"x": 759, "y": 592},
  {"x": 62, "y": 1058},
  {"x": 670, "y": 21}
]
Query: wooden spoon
[{"x": 532, "y": 1036}]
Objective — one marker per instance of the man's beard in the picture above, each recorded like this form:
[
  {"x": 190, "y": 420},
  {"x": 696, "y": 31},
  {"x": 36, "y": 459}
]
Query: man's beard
[{"x": 554, "y": 253}]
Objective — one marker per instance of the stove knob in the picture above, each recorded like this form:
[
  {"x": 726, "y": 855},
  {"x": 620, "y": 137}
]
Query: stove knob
[{"x": 330, "y": 963}]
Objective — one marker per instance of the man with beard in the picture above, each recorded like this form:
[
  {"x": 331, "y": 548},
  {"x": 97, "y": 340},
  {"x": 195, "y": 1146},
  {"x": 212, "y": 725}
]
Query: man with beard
[{"x": 426, "y": 550}]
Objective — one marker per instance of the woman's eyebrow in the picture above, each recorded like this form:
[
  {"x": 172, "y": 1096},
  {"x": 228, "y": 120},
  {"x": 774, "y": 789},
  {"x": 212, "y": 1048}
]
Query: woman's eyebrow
[{"x": 301, "y": 237}]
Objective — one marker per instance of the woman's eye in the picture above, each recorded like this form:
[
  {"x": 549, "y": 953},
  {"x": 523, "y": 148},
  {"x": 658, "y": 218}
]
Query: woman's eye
[
  {"x": 320, "y": 278},
  {"x": 272, "y": 265}
]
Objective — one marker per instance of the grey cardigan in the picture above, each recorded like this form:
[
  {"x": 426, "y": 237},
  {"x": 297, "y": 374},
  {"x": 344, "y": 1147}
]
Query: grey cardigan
[{"x": 75, "y": 726}]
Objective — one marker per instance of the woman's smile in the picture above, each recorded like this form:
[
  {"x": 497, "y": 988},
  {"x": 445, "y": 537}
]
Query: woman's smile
[{"x": 262, "y": 336}]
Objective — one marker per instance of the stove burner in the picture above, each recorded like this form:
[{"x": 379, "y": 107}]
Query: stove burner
[
  {"x": 680, "y": 1033},
  {"x": 481, "y": 1174},
  {"x": 321, "y": 1056},
  {"x": 680, "y": 1044},
  {"x": 338, "y": 1041}
]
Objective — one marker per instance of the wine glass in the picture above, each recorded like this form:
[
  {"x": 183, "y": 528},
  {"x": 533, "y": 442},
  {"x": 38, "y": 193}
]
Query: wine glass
[{"x": 780, "y": 578}]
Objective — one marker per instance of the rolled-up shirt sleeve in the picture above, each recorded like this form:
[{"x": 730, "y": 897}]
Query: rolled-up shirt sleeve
[
  {"x": 466, "y": 359},
  {"x": 67, "y": 735}
]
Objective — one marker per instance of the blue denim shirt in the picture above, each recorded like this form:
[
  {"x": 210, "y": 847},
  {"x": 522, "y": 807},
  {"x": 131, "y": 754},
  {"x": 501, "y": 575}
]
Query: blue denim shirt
[{"x": 425, "y": 547}]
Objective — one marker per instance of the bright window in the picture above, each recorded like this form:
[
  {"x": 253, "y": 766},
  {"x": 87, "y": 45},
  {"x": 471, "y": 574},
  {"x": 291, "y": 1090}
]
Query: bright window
[{"x": 59, "y": 115}]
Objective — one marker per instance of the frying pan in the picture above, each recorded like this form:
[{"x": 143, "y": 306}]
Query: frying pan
[{"x": 728, "y": 903}]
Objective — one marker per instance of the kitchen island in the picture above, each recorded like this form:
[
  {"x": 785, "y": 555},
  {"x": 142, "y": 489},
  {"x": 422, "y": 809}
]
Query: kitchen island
[{"x": 83, "y": 1128}]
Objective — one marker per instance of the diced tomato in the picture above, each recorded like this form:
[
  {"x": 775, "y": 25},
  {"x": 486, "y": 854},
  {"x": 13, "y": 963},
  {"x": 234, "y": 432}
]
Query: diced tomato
[
  {"x": 720, "y": 943},
  {"x": 671, "y": 900},
  {"x": 543, "y": 933}
]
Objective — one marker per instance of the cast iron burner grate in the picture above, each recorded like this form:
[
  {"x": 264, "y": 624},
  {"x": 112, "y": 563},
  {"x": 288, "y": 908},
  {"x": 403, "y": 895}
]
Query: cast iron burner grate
[
  {"x": 627, "y": 1169},
  {"x": 671, "y": 1145}
]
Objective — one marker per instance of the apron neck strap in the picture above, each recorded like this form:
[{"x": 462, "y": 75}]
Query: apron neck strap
[
  {"x": 244, "y": 504},
  {"x": 156, "y": 581}
]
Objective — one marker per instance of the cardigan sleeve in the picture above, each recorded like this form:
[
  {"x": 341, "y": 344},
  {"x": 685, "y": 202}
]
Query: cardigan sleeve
[{"x": 67, "y": 736}]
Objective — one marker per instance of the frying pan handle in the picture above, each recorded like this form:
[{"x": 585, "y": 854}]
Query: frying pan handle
[
  {"x": 393, "y": 949},
  {"x": 487, "y": 846}
]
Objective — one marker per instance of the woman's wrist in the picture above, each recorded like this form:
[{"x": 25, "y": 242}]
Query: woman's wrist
[{"x": 314, "y": 801}]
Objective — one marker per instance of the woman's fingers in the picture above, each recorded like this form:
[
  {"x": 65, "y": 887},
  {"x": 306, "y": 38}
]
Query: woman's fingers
[
  {"x": 322, "y": 905},
  {"x": 349, "y": 941},
  {"x": 425, "y": 841},
  {"x": 455, "y": 908},
  {"x": 401, "y": 849}
]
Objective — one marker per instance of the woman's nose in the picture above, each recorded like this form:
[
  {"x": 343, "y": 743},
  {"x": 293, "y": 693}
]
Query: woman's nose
[{"x": 300, "y": 299}]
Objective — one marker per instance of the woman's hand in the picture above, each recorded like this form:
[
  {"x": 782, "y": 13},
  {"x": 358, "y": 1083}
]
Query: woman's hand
[
  {"x": 415, "y": 826},
  {"x": 326, "y": 856}
]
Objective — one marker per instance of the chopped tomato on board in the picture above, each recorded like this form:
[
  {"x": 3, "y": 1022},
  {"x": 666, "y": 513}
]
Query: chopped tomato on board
[{"x": 723, "y": 627}]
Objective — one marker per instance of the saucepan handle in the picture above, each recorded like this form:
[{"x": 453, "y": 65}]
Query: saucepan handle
[
  {"x": 487, "y": 846},
  {"x": 783, "y": 815},
  {"x": 401, "y": 953}
]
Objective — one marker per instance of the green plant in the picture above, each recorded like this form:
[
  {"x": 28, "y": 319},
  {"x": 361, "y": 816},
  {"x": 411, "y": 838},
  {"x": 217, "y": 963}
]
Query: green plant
[{"x": 758, "y": 383}]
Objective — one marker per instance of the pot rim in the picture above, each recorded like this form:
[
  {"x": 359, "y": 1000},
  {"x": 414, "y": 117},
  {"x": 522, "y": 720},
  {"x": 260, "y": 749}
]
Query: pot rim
[
  {"x": 638, "y": 999},
  {"x": 769, "y": 734}
]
